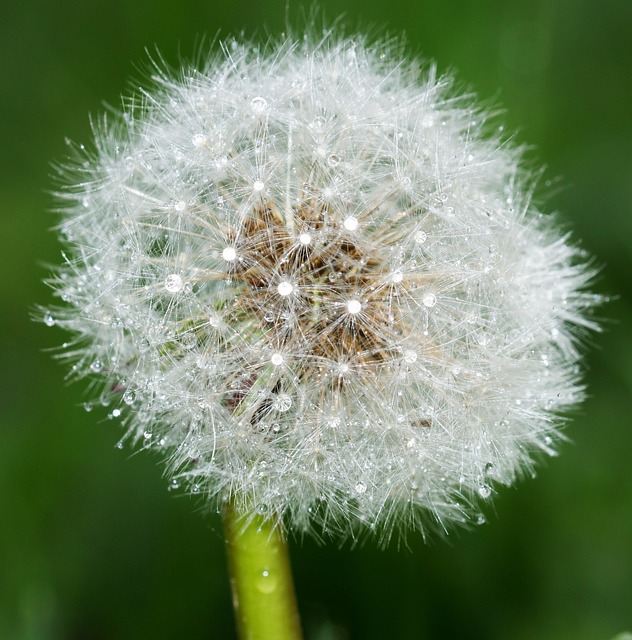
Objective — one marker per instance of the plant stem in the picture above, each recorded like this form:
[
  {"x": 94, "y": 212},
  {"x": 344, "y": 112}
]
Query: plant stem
[{"x": 260, "y": 576}]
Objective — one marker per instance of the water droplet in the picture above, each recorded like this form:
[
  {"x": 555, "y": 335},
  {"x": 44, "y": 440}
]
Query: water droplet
[
  {"x": 305, "y": 238},
  {"x": 484, "y": 491},
  {"x": 333, "y": 160},
  {"x": 180, "y": 205},
  {"x": 267, "y": 582},
  {"x": 116, "y": 413},
  {"x": 489, "y": 469},
  {"x": 360, "y": 488},
  {"x": 129, "y": 397},
  {"x": 421, "y": 237},
  {"x": 174, "y": 484},
  {"x": 198, "y": 140},
  {"x": 229, "y": 254},
  {"x": 258, "y": 185},
  {"x": 317, "y": 123},
  {"x": 88, "y": 406},
  {"x": 49, "y": 321},
  {"x": 147, "y": 435},
  {"x": 397, "y": 276},
  {"x": 350, "y": 223},
  {"x": 195, "y": 488},
  {"x": 258, "y": 104},
  {"x": 410, "y": 356},
  {"x": 354, "y": 306},
  {"x": 285, "y": 288},
  {"x": 276, "y": 359},
  {"x": 480, "y": 519},
  {"x": 96, "y": 366},
  {"x": 429, "y": 299},
  {"x": 174, "y": 283},
  {"x": 282, "y": 402}
]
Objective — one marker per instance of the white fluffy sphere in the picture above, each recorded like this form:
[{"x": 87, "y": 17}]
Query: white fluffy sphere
[{"x": 308, "y": 276}]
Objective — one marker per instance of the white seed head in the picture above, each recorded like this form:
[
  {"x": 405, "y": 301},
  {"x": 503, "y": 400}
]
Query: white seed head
[{"x": 428, "y": 319}]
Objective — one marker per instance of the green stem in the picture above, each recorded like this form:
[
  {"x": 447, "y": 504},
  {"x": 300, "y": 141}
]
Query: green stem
[{"x": 260, "y": 576}]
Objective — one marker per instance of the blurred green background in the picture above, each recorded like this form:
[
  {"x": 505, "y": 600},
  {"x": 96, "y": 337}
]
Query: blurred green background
[{"x": 92, "y": 545}]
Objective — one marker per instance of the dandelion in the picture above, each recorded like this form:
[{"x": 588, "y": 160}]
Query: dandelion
[{"x": 315, "y": 279}]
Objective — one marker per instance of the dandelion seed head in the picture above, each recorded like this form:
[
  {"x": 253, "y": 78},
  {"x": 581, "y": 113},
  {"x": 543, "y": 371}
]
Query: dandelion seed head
[{"x": 337, "y": 301}]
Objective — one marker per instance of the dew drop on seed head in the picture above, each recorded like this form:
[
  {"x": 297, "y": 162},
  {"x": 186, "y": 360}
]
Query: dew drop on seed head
[
  {"x": 49, "y": 321},
  {"x": 174, "y": 283},
  {"x": 180, "y": 205},
  {"x": 305, "y": 238},
  {"x": 429, "y": 299},
  {"x": 360, "y": 488},
  {"x": 276, "y": 359},
  {"x": 258, "y": 104},
  {"x": 96, "y": 366},
  {"x": 397, "y": 276},
  {"x": 410, "y": 356},
  {"x": 258, "y": 185},
  {"x": 285, "y": 288},
  {"x": 129, "y": 397},
  {"x": 484, "y": 491},
  {"x": 198, "y": 140},
  {"x": 282, "y": 402},
  {"x": 333, "y": 160},
  {"x": 229, "y": 254},
  {"x": 421, "y": 237},
  {"x": 354, "y": 306},
  {"x": 350, "y": 223},
  {"x": 174, "y": 484},
  {"x": 317, "y": 124}
]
